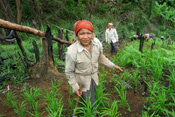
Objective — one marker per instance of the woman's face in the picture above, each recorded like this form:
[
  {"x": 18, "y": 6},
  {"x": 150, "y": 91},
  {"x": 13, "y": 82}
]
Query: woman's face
[
  {"x": 109, "y": 26},
  {"x": 85, "y": 36}
]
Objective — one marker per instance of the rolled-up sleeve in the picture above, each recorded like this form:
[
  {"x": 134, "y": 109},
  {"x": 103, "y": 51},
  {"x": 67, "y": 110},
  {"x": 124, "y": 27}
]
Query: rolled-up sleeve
[{"x": 69, "y": 71}]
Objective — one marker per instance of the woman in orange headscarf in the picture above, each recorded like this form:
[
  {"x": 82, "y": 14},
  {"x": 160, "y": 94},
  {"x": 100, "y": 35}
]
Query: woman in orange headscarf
[{"x": 82, "y": 60}]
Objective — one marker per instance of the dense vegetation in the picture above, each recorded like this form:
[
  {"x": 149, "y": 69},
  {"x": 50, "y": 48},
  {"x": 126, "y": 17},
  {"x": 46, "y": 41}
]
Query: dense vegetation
[
  {"x": 152, "y": 16},
  {"x": 154, "y": 67}
]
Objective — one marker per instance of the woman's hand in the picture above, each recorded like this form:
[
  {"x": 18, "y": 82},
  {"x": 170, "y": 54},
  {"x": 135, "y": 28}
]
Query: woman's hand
[
  {"x": 117, "y": 67},
  {"x": 78, "y": 93}
]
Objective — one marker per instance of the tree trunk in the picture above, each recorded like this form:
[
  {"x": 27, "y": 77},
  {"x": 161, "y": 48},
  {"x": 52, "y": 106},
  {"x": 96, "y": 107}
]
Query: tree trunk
[
  {"x": 60, "y": 46},
  {"x": 7, "y": 12}
]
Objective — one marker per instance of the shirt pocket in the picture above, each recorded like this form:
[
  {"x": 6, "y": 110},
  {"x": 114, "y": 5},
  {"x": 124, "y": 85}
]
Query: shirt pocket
[
  {"x": 82, "y": 64},
  {"x": 95, "y": 55}
]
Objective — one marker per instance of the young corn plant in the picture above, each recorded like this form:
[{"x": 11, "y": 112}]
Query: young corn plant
[
  {"x": 121, "y": 90},
  {"x": 53, "y": 113},
  {"x": 145, "y": 114},
  {"x": 158, "y": 100},
  {"x": 126, "y": 75},
  {"x": 20, "y": 109},
  {"x": 143, "y": 66},
  {"x": 112, "y": 111},
  {"x": 55, "y": 88},
  {"x": 71, "y": 103},
  {"x": 170, "y": 113},
  {"x": 114, "y": 78},
  {"x": 87, "y": 109},
  {"x": 54, "y": 103},
  {"x": 31, "y": 96},
  {"x": 135, "y": 78},
  {"x": 35, "y": 112},
  {"x": 101, "y": 96},
  {"x": 10, "y": 96},
  {"x": 171, "y": 79}
]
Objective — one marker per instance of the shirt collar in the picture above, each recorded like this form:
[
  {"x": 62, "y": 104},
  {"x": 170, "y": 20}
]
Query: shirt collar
[{"x": 81, "y": 48}]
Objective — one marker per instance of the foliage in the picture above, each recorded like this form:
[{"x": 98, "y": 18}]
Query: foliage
[{"x": 167, "y": 12}]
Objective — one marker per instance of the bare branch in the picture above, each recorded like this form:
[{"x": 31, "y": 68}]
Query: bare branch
[{"x": 7, "y": 37}]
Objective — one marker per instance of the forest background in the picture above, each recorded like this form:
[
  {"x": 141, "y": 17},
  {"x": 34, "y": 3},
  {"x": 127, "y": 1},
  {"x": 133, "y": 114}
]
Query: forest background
[{"x": 151, "y": 16}]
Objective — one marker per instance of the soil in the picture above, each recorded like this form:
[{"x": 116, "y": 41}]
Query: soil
[{"x": 136, "y": 101}]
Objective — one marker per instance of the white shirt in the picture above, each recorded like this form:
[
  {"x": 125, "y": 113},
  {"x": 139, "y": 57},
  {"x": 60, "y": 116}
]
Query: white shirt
[{"x": 111, "y": 35}]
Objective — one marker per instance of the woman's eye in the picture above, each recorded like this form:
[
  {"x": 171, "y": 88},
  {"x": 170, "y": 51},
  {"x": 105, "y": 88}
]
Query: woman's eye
[{"x": 81, "y": 33}]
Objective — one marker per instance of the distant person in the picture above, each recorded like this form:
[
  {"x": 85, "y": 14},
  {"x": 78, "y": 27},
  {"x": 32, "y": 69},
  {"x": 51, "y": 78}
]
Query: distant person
[
  {"x": 162, "y": 38},
  {"x": 148, "y": 36},
  {"x": 135, "y": 37},
  {"x": 111, "y": 37},
  {"x": 169, "y": 40}
]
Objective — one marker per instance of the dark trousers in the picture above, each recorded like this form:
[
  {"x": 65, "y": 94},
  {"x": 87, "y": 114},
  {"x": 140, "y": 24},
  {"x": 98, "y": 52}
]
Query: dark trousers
[
  {"x": 113, "y": 47},
  {"x": 90, "y": 93}
]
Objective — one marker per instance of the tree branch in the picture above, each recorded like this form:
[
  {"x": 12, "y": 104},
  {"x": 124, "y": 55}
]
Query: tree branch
[{"x": 22, "y": 28}]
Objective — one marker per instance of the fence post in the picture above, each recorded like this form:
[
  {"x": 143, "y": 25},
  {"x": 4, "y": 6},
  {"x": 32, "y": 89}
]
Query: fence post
[
  {"x": 36, "y": 51},
  {"x": 60, "y": 46},
  {"x": 141, "y": 43},
  {"x": 67, "y": 35},
  {"x": 49, "y": 41}
]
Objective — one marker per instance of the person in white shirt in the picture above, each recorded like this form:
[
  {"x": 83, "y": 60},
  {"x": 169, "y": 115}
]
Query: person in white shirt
[{"x": 111, "y": 37}]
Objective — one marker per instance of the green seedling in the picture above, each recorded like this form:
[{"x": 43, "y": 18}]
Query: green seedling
[
  {"x": 53, "y": 113},
  {"x": 71, "y": 104},
  {"x": 55, "y": 88},
  {"x": 36, "y": 112},
  {"x": 10, "y": 96},
  {"x": 121, "y": 90},
  {"x": 87, "y": 109},
  {"x": 135, "y": 78},
  {"x": 101, "y": 96},
  {"x": 31, "y": 96},
  {"x": 54, "y": 103},
  {"x": 112, "y": 111},
  {"x": 20, "y": 109}
]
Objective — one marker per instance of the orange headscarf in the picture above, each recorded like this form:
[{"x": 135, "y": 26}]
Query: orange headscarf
[{"x": 82, "y": 24}]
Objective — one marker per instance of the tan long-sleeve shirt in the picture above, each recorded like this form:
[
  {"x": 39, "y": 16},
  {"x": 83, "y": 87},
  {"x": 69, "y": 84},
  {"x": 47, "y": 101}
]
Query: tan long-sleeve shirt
[{"x": 81, "y": 65}]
